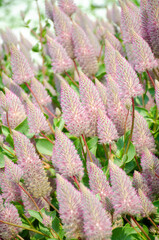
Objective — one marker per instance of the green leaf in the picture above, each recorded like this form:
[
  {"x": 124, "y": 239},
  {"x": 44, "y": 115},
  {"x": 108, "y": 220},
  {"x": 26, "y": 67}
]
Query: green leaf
[
  {"x": 56, "y": 224},
  {"x": 125, "y": 233},
  {"x": 23, "y": 127},
  {"x": 101, "y": 72},
  {"x": 59, "y": 122},
  {"x": 2, "y": 162},
  {"x": 9, "y": 139},
  {"x": 44, "y": 229},
  {"x": 5, "y": 131},
  {"x": 36, "y": 215},
  {"x": 92, "y": 145},
  {"x": 131, "y": 153},
  {"x": 44, "y": 146},
  {"x": 36, "y": 48}
]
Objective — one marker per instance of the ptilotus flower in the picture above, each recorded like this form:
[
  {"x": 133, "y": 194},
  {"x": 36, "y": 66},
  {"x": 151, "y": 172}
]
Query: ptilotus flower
[
  {"x": 147, "y": 207},
  {"x": 97, "y": 224},
  {"x": 36, "y": 119},
  {"x": 83, "y": 51},
  {"x": 69, "y": 207},
  {"x": 91, "y": 101},
  {"x": 127, "y": 78},
  {"x": 48, "y": 9},
  {"x": 157, "y": 93},
  {"x": 67, "y": 6},
  {"x": 65, "y": 158},
  {"x": 40, "y": 92},
  {"x": 61, "y": 62},
  {"x": 1, "y": 204},
  {"x": 125, "y": 199},
  {"x": 74, "y": 113},
  {"x": 9, "y": 214},
  {"x": 12, "y": 171},
  {"x": 144, "y": 21},
  {"x": 114, "y": 41},
  {"x": 114, "y": 15},
  {"x": 34, "y": 175},
  {"x": 139, "y": 182},
  {"x": 143, "y": 56},
  {"x": 63, "y": 29},
  {"x": 107, "y": 132},
  {"x": 142, "y": 136},
  {"x": 95, "y": 160},
  {"x": 22, "y": 72},
  {"x": 99, "y": 185},
  {"x": 102, "y": 91},
  {"x": 109, "y": 60},
  {"x": 28, "y": 45}
]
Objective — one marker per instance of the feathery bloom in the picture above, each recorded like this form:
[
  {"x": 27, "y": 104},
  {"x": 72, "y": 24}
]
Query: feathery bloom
[
  {"x": 22, "y": 72},
  {"x": 47, "y": 220},
  {"x": 147, "y": 207},
  {"x": 105, "y": 128},
  {"x": 74, "y": 113},
  {"x": 48, "y": 9},
  {"x": 28, "y": 45},
  {"x": 114, "y": 15},
  {"x": 125, "y": 199},
  {"x": 144, "y": 21},
  {"x": 12, "y": 171},
  {"x": 95, "y": 160},
  {"x": 142, "y": 136},
  {"x": 83, "y": 51},
  {"x": 127, "y": 78},
  {"x": 102, "y": 91},
  {"x": 109, "y": 59},
  {"x": 83, "y": 20},
  {"x": 9, "y": 214},
  {"x": 140, "y": 182},
  {"x": 91, "y": 101},
  {"x": 114, "y": 41},
  {"x": 61, "y": 62},
  {"x": 99, "y": 185},
  {"x": 34, "y": 175},
  {"x": 69, "y": 200},
  {"x": 67, "y": 6},
  {"x": 157, "y": 93},
  {"x": 36, "y": 119},
  {"x": 97, "y": 224},
  {"x": 1, "y": 204},
  {"x": 65, "y": 158},
  {"x": 143, "y": 56},
  {"x": 63, "y": 29}
]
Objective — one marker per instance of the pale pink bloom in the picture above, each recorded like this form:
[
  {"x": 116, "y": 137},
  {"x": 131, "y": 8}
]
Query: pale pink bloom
[
  {"x": 142, "y": 136},
  {"x": 114, "y": 14},
  {"x": 34, "y": 175},
  {"x": 1, "y": 204},
  {"x": 147, "y": 207},
  {"x": 67, "y": 6},
  {"x": 107, "y": 132},
  {"x": 150, "y": 102},
  {"x": 144, "y": 21},
  {"x": 83, "y": 20},
  {"x": 65, "y": 157},
  {"x": 139, "y": 182},
  {"x": 109, "y": 60},
  {"x": 22, "y": 72},
  {"x": 47, "y": 220},
  {"x": 125, "y": 199},
  {"x": 28, "y": 45},
  {"x": 83, "y": 51},
  {"x": 61, "y": 62},
  {"x": 48, "y": 9},
  {"x": 74, "y": 113},
  {"x": 114, "y": 41},
  {"x": 157, "y": 93},
  {"x": 102, "y": 91},
  {"x": 95, "y": 160},
  {"x": 12, "y": 171},
  {"x": 70, "y": 208},
  {"x": 97, "y": 224}
]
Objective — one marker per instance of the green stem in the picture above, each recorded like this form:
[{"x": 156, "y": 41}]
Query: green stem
[
  {"x": 28, "y": 221},
  {"x": 142, "y": 230},
  {"x": 71, "y": 79},
  {"x": 47, "y": 138},
  {"x": 153, "y": 223},
  {"x": 125, "y": 130},
  {"x": 51, "y": 205},
  {"x": 106, "y": 151},
  {"x": 150, "y": 78}
]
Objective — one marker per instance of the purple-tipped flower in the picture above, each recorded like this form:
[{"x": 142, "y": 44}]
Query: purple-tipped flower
[
  {"x": 65, "y": 158},
  {"x": 147, "y": 207},
  {"x": 102, "y": 91},
  {"x": 99, "y": 185},
  {"x": 157, "y": 93},
  {"x": 91, "y": 100},
  {"x": 12, "y": 171},
  {"x": 110, "y": 64},
  {"x": 74, "y": 113},
  {"x": 22, "y": 72},
  {"x": 9, "y": 214},
  {"x": 97, "y": 224},
  {"x": 67, "y": 6},
  {"x": 140, "y": 182},
  {"x": 142, "y": 136},
  {"x": 61, "y": 62},
  {"x": 83, "y": 51},
  {"x": 70, "y": 208},
  {"x": 34, "y": 176},
  {"x": 105, "y": 128},
  {"x": 125, "y": 199},
  {"x": 143, "y": 56},
  {"x": 114, "y": 41}
]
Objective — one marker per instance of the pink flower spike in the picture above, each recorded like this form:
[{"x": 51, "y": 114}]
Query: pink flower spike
[
  {"x": 147, "y": 207},
  {"x": 114, "y": 41},
  {"x": 97, "y": 224},
  {"x": 12, "y": 171},
  {"x": 109, "y": 59},
  {"x": 48, "y": 9},
  {"x": 67, "y": 6},
  {"x": 157, "y": 93},
  {"x": 102, "y": 91},
  {"x": 139, "y": 182},
  {"x": 22, "y": 72}
]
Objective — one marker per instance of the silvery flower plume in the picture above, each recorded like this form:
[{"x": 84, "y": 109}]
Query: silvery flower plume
[
  {"x": 34, "y": 175},
  {"x": 109, "y": 59},
  {"x": 74, "y": 113},
  {"x": 99, "y": 185},
  {"x": 83, "y": 51},
  {"x": 22, "y": 72},
  {"x": 1, "y": 204},
  {"x": 48, "y": 9},
  {"x": 125, "y": 199},
  {"x": 147, "y": 207},
  {"x": 144, "y": 21},
  {"x": 139, "y": 182},
  {"x": 70, "y": 208},
  {"x": 61, "y": 62},
  {"x": 67, "y": 6},
  {"x": 63, "y": 29},
  {"x": 9, "y": 214},
  {"x": 12, "y": 171},
  {"x": 91, "y": 101},
  {"x": 157, "y": 93},
  {"x": 106, "y": 130},
  {"x": 28, "y": 45},
  {"x": 102, "y": 91},
  {"x": 127, "y": 78},
  {"x": 36, "y": 119},
  {"x": 65, "y": 158},
  {"x": 114, "y": 14},
  {"x": 143, "y": 56},
  {"x": 83, "y": 20},
  {"x": 97, "y": 223},
  {"x": 40, "y": 91},
  {"x": 114, "y": 41},
  {"x": 142, "y": 136}
]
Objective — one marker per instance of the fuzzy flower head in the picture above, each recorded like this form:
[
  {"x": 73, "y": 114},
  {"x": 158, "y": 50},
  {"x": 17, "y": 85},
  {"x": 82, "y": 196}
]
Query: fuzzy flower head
[
  {"x": 110, "y": 64},
  {"x": 12, "y": 171},
  {"x": 74, "y": 113},
  {"x": 48, "y": 9},
  {"x": 61, "y": 62},
  {"x": 147, "y": 207},
  {"x": 22, "y": 72},
  {"x": 67, "y": 6},
  {"x": 125, "y": 199},
  {"x": 114, "y": 41},
  {"x": 102, "y": 91},
  {"x": 69, "y": 207},
  {"x": 157, "y": 93},
  {"x": 65, "y": 158},
  {"x": 139, "y": 182},
  {"x": 97, "y": 224}
]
